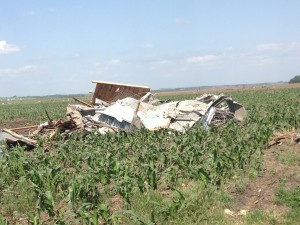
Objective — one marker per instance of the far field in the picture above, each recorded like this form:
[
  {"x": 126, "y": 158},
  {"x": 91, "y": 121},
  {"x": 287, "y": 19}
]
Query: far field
[
  {"x": 227, "y": 175},
  {"x": 229, "y": 89}
]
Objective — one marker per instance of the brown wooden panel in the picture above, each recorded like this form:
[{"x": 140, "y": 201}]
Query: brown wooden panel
[{"x": 106, "y": 91}]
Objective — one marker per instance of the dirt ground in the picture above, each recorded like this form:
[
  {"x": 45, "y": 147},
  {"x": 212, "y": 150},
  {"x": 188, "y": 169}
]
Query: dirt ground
[
  {"x": 17, "y": 123},
  {"x": 281, "y": 167}
]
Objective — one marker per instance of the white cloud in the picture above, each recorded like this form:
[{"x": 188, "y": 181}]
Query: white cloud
[
  {"x": 201, "y": 59},
  {"x": 261, "y": 60},
  {"x": 274, "y": 53},
  {"x": 114, "y": 61},
  {"x": 15, "y": 71},
  {"x": 7, "y": 48},
  {"x": 181, "y": 22},
  {"x": 270, "y": 47},
  {"x": 279, "y": 47},
  {"x": 30, "y": 13},
  {"x": 147, "y": 45}
]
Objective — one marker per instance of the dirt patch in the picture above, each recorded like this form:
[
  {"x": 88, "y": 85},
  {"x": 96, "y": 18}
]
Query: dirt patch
[
  {"x": 17, "y": 123},
  {"x": 259, "y": 193}
]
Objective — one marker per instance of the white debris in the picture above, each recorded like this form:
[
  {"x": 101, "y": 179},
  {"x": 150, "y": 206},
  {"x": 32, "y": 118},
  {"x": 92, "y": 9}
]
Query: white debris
[{"x": 229, "y": 212}]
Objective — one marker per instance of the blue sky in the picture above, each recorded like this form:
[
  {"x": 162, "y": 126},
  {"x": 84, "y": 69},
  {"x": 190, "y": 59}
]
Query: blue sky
[{"x": 58, "y": 47}]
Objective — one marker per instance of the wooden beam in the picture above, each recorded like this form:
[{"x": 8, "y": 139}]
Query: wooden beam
[
  {"x": 24, "y": 128},
  {"x": 83, "y": 103}
]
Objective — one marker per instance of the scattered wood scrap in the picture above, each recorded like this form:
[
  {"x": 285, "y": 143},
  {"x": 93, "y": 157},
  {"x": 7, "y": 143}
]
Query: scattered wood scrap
[{"x": 279, "y": 138}]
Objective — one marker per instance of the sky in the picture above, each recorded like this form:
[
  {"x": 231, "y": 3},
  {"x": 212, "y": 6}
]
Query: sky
[{"x": 58, "y": 47}]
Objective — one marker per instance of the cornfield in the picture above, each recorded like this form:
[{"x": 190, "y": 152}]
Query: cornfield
[{"x": 77, "y": 181}]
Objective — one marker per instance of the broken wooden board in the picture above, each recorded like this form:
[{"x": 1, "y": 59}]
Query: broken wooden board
[
  {"x": 11, "y": 137},
  {"x": 110, "y": 92}
]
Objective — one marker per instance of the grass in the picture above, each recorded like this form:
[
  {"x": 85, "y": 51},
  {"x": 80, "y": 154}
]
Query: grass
[
  {"x": 33, "y": 110},
  {"x": 18, "y": 201},
  {"x": 289, "y": 155},
  {"x": 290, "y": 197},
  {"x": 241, "y": 184},
  {"x": 194, "y": 204},
  {"x": 263, "y": 217}
]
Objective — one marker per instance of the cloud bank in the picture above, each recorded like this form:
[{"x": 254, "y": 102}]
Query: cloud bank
[{"x": 7, "y": 48}]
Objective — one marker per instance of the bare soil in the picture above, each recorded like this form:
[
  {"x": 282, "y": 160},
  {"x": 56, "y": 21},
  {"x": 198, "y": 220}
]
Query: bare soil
[
  {"x": 17, "y": 123},
  {"x": 260, "y": 193}
]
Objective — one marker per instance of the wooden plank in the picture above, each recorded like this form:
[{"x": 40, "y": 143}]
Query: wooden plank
[
  {"x": 24, "y": 128},
  {"x": 83, "y": 103},
  {"x": 106, "y": 91}
]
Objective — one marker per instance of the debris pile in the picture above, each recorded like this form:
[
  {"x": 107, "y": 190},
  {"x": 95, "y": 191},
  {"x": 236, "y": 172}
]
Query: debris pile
[{"x": 132, "y": 113}]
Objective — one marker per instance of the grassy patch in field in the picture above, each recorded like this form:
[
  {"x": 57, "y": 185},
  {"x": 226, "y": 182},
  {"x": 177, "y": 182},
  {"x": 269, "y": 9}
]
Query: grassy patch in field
[
  {"x": 33, "y": 110},
  {"x": 289, "y": 155},
  {"x": 18, "y": 201},
  {"x": 262, "y": 217},
  {"x": 291, "y": 198},
  {"x": 194, "y": 204}
]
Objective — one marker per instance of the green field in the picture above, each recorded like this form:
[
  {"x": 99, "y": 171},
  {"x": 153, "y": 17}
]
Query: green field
[
  {"x": 32, "y": 110},
  {"x": 144, "y": 177}
]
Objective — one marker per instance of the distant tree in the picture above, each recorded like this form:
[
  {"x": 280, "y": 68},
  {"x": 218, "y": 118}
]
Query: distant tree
[{"x": 296, "y": 79}]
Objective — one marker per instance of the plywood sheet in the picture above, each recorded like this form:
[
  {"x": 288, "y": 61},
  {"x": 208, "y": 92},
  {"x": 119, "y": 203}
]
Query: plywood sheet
[{"x": 110, "y": 92}]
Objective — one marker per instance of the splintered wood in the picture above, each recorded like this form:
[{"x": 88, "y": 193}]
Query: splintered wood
[{"x": 279, "y": 138}]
